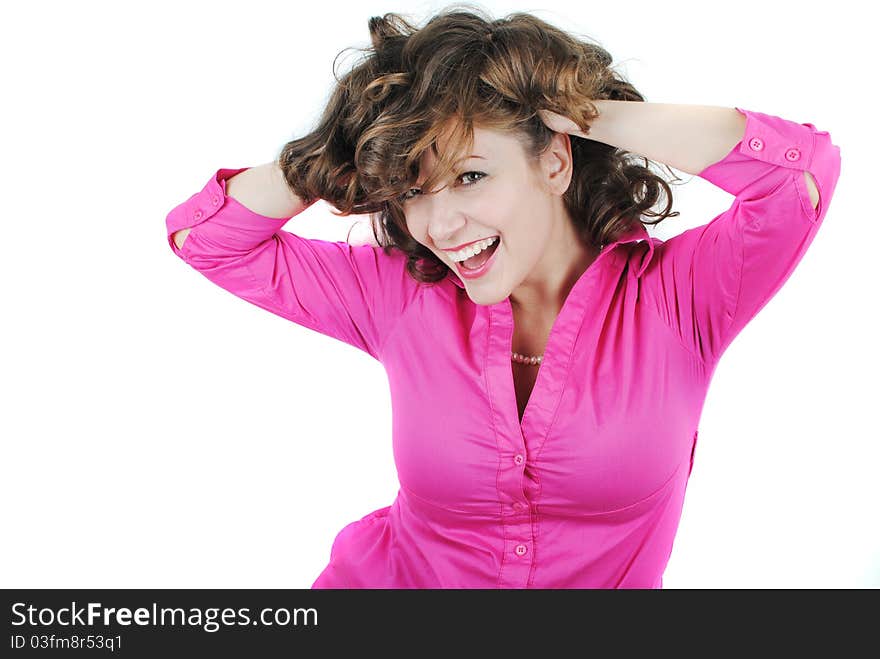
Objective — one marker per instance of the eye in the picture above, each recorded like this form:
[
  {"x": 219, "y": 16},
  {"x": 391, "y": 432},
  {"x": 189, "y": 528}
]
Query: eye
[
  {"x": 406, "y": 196},
  {"x": 480, "y": 174}
]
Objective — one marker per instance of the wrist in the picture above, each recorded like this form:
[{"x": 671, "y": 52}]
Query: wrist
[{"x": 598, "y": 125}]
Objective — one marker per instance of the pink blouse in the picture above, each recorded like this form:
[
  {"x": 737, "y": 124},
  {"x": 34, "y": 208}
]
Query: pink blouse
[{"x": 587, "y": 491}]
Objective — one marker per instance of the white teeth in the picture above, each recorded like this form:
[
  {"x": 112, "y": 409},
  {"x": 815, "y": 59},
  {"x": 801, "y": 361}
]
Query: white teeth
[{"x": 474, "y": 249}]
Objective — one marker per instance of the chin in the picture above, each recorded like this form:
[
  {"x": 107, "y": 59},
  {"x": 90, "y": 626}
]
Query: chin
[{"x": 487, "y": 298}]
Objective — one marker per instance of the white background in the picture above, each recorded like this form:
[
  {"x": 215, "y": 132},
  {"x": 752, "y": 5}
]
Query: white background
[{"x": 159, "y": 432}]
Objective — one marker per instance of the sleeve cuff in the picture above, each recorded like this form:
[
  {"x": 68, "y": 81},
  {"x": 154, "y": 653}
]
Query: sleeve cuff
[{"x": 209, "y": 201}]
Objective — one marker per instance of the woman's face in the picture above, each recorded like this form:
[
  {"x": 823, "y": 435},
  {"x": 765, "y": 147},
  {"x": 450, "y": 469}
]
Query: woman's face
[{"x": 496, "y": 192}]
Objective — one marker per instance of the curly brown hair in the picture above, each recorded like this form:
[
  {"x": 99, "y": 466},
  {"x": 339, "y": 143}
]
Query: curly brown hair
[{"x": 463, "y": 68}]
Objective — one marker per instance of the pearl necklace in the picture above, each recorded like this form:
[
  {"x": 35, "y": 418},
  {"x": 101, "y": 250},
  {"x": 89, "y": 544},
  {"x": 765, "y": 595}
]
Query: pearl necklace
[{"x": 523, "y": 359}]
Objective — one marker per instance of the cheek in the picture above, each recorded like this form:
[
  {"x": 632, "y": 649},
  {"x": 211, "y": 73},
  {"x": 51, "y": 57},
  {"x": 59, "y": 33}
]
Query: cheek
[
  {"x": 418, "y": 230},
  {"x": 412, "y": 225},
  {"x": 491, "y": 210}
]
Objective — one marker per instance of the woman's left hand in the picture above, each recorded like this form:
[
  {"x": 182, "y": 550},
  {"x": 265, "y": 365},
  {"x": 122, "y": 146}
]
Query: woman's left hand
[{"x": 559, "y": 123}]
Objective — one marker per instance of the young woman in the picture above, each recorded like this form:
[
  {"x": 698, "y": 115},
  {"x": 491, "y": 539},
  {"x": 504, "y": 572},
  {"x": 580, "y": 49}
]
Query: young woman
[{"x": 547, "y": 359}]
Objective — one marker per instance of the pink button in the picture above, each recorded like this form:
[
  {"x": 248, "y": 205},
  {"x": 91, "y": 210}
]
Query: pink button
[
  {"x": 215, "y": 201},
  {"x": 198, "y": 214},
  {"x": 521, "y": 550},
  {"x": 793, "y": 154},
  {"x": 756, "y": 144},
  {"x": 518, "y": 506},
  {"x": 518, "y": 459}
]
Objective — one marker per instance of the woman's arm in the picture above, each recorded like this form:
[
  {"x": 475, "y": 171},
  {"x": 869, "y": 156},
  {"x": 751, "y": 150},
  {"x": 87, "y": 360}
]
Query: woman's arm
[
  {"x": 355, "y": 295},
  {"x": 261, "y": 189},
  {"x": 686, "y": 137},
  {"x": 708, "y": 282},
  {"x": 361, "y": 233}
]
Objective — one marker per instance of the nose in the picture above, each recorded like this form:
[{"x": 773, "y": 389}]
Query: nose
[{"x": 445, "y": 219}]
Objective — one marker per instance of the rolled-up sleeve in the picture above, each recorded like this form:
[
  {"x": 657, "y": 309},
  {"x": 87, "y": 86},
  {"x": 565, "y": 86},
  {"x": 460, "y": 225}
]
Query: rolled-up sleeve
[
  {"x": 353, "y": 294},
  {"x": 708, "y": 282}
]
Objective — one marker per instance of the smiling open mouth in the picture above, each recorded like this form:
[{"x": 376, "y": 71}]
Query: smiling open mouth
[
  {"x": 479, "y": 264},
  {"x": 477, "y": 260}
]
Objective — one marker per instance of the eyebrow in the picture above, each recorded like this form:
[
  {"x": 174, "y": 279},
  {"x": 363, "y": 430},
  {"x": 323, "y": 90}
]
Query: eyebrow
[
  {"x": 473, "y": 155},
  {"x": 437, "y": 153}
]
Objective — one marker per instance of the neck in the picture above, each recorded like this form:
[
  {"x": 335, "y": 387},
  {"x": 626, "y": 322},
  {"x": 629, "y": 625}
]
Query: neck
[
  {"x": 544, "y": 291},
  {"x": 539, "y": 303}
]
